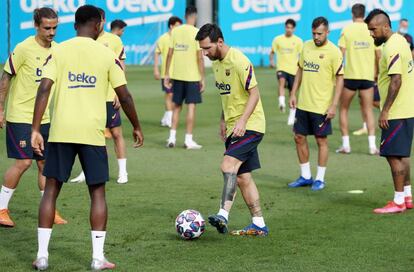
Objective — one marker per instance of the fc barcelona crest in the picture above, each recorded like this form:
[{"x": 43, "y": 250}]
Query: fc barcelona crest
[
  {"x": 22, "y": 144},
  {"x": 227, "y": 72},
  {"x": 321, "y": 56}
]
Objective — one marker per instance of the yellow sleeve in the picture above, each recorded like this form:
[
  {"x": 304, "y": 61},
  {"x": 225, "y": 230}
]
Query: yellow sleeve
[
  {"x": 341, "y": 42},
  {"x": 158, "y": 47},
  {"x": 337, "y": 63},
  {"x": 172, "y": 39},
  {"x": 119, "y": 50},
  {"x": 15, "y": 61},
  {"x": 245, "y": 72},
  {"x": 50, "y": 68},
  {"x": 300, "y": 45},
  {"x": 116, "y": 74},
  {"x": 394, "y": 64},
  {"x": 274, "y": 45},
  {"x": 301, "y": 58}
]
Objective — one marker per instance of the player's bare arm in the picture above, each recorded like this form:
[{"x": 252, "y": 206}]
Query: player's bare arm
[
  {"x": 223, "y": 130},
  {"x": 200, "y": 61},
  {"x": 272, "y": 58},
  {"x": 4, "y": 88},
  {"x": 393, "y": 90},
  {"x": 339, "y": 85},
  {"x": 240, "y": 126},
  {"x": 128, "y": 106},
  {"x": 295, "y": 88},
  {"x": 157, "y": 75},
  {"x": 167, "y": 82}
]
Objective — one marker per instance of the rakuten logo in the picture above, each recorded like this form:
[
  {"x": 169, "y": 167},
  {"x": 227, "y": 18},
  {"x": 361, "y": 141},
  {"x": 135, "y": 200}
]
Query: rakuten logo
[
  {"x": 59, "y": 5},
  {"x": 339, "y": 6},
  {"x": 140, "y": 5},
  {"x": 310, "y": 66},
  {"x": 266, "y": 6}
]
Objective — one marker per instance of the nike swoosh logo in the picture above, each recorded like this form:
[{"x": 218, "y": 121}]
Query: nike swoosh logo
[
  {"x": 383, "y": 141},
  {"x": 113, "y": 116},
  {"x": 320, "y": 125},
  {"x": 247, "y": 68},
  {"x": 233, "y": 142},
  {"x": 98, "y": 236}
]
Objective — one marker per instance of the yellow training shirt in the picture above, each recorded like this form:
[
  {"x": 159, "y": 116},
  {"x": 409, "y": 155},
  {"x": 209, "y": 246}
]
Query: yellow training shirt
[
  {"x": 320, "y": 66},
  {"x": 397, "y": 59},
  {"x": 82, "y": 69},
  {"x": 185, "y": 66},
  {"x": 234, "y": 77},
  {"x": 25, "y": 65},
  {"x": 163, "y": 45},
  {"x": 114, "y": 43},
  {"x": 287, "y": 51},
  {"x": 360, "y": 52}
]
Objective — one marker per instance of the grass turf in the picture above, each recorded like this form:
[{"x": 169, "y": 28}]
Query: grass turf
[{"x": 330, "y": 230}]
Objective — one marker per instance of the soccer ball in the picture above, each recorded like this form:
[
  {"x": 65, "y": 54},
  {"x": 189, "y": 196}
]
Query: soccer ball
[{"x": 190, "y": 224}]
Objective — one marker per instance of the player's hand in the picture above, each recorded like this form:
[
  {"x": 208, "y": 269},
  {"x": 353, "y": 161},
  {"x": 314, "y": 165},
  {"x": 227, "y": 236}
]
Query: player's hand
[
  {"x": 138, "y": 138},
  {"x": 223, "y": 131},
  {"x": 167, "y": 82},
  {"x": 202, "y": 85},
  {"x": 116, "y": 103},
  {"x": 383, "y": 120},
  {"x": 37, "y": 143},
  {"x": 157, "y": 75},
  {"x": 2, "y": 120},
  {"x": 239, "y": 128},
  {"x": 331, "y": 112},
  {"x": 292, "y": 102}
]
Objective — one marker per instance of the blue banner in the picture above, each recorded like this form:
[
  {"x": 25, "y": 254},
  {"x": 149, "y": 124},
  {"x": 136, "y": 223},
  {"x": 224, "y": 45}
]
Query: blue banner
[
  {"x": 251, "y": 25},
  {"x": 146, "y": 19}
]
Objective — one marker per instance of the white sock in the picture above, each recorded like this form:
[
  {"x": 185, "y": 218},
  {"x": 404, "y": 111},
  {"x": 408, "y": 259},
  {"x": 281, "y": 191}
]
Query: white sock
[
  {"x": 407, "y": 190},
  {"x": 292, "y": 113},
  {"x": 282, "y": 101},
  {"x": 98, "y": 241},
  {"x": 43, "y": 238},
  {"x": 41, "y": 193},
  {"x": 5, "y": 196},
  {"x": 345, "y": 142},
  {"x": 164, "y": 117},
  {"x": 259, "y": 221},
  {"x": 173, "y": 134},
  {"x": 188, "y": 138},
  {"x": 371, "y": 142},
  {"x": 224, "y": 213},
  {"x": 399, "y": 198},
  {"x": 320, "y": 174},
  {"x": 169, "y": 115},
  {"x": 122, "y": 167},
  {"x": 305, "y": 171},
  {"x": 364, "y": 125}
]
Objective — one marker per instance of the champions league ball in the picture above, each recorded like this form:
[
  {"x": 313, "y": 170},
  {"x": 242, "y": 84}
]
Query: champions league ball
[{"x": 190, "y": 224}]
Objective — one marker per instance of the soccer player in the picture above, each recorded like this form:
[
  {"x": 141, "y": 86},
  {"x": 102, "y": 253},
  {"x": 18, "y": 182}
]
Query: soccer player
[
  {"x": 403, "y": 30},
  {"x": 113, "y": 115},
  {"x": 287, "y": 48},
  {"x": 320, "y": 79},
  {"x": 118, "y": 27},
  {"x": 242, "y": 128},
  {"x": 187, "y": 76},
  {"x": 163, "y": 45},
  {"x": 81, "y": 69},
  {"x": 358, "y": 48},
  {"x": 22, "y": 73},
  {"x": 396, "y": 83}
]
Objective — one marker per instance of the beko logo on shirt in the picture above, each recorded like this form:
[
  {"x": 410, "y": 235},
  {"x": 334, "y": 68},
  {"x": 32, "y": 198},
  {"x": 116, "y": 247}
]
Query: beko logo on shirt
[
  {"x": 87, "y": 81},
  {"x": 223, "y": 87},
  {"x": 310, "y": 66},
  {"x": 38, "y": 74}
]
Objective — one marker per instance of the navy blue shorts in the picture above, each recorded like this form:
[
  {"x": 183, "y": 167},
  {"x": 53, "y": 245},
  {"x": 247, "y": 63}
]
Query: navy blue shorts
[
  {"x": 61, "y": 156},
  {"x": 113, "y": 116},
  {"x": 288, "y": 77},
  {"x": 245, "y": 149},
  {"x": 18, "y": 141},
  {"x": 310, "y": 123},
  {"x": 397, "y": 139},
  {"x": 376, "y": 94},
  {"x": 188, "y": 91},
  {"x": 165, "y": 89},
  {"x": 357, "y": 84}
]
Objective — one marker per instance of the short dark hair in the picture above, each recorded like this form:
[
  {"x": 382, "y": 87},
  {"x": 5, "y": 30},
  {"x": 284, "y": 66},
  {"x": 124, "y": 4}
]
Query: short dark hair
[
  {"x": 87, "y": 13},
  {"x": 290, "y": 21},
  {"x": 173, "y": 20},
  {"x": 358, "y": 10},
  {"x": 101, "y": 12},
  {"x": 212, "y": 31},
  {"x": 320, "y": 21},
  {"x": 190, "y": 11},
  {"x": 40, "y": 13},
  {"x": 404, "y": 20},
  {"x": 118, "y": 24},
  {"x": 376, "y": 12}
]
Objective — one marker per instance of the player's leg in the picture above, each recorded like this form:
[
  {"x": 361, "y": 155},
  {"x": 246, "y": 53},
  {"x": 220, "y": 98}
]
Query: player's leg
[
  {"x": 346, "y": 99},
  {"x": 367, "y": 100},
  {"x": 301, "y": 129},
  {"x": 120, "y": 151},
  {"x": 282, "y": 97},
  {"x": 192, "y": 98},
  {"x": 407, "y": 184},
  {"x": 323, "y": 151},
  {"x": 167, "y": 118},
  {"x": 292, "y": 111},
  {"x": 177, "y": 100}
]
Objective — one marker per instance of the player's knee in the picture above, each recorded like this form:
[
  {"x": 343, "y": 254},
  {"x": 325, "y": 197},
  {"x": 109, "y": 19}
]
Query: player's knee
[
  {"x": 227, "y": 167},
  {"x": 116, "y": 133},
  {"x": 23, "y": 165},
  {"x": 299, "y": 139},
  {"x": 242, "y": 180},
  {"x": 322, "y": 141}
]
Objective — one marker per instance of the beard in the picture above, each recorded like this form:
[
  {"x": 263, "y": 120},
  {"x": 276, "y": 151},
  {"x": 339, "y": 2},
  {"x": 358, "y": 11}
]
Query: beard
[
  {"x": 319, "y": 42},
  {"x": 380, "y": 40}
]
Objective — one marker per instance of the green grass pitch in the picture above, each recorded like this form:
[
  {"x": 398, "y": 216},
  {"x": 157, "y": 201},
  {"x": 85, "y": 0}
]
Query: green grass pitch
[{"x": 330, "y": 230}]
